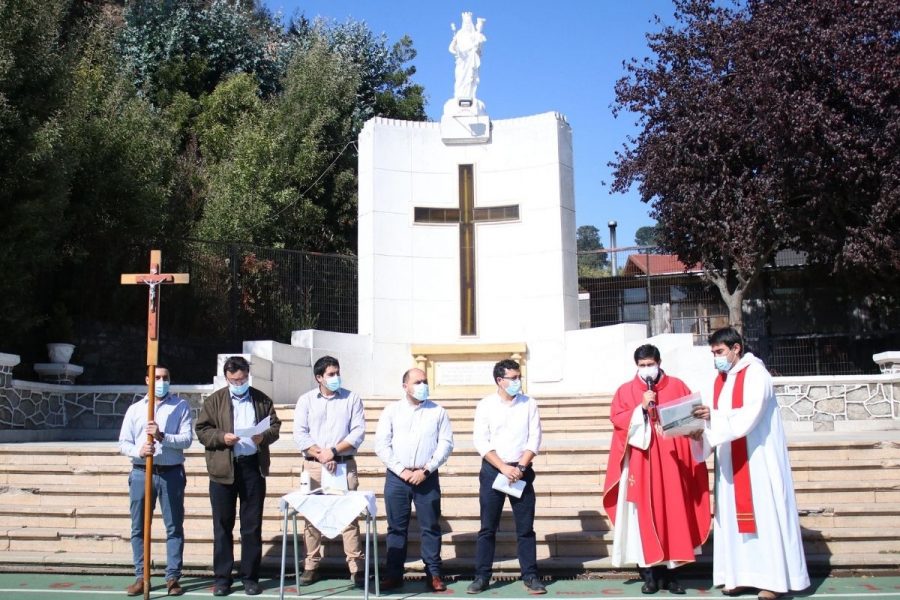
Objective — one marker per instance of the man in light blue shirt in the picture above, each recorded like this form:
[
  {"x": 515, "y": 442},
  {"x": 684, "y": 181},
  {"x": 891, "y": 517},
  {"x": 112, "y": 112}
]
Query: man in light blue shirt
[
  {"x": 414, "y": 439},
  {"x": 171, "y": 432}
]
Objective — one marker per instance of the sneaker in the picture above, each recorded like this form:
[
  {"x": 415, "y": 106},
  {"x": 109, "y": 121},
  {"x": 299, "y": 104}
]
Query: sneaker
[
  {"x": 136, "y": 588},
  {"x": 534, "y": 586},
  {"x": 308, "y": 577},
  {"x": 173, "y": 588},
  {"x": 477, "y": 586}
]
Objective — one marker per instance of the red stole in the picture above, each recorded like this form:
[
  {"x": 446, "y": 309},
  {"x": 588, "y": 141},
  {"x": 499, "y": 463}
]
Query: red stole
[{"x": 740, "y": 460}]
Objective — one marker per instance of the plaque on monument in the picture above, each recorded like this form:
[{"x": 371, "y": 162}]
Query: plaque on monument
[{"x": 459, "y": 373}]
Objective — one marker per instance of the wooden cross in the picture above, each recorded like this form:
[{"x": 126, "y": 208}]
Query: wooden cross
[
  {"x": 154, "y": 279},
  {"x": 466, "y": 216}
]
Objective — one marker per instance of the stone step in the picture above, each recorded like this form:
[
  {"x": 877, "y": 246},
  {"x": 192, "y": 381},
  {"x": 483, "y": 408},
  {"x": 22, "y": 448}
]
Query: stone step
[
  {"x": 461, "y": 516},
  {"x": 455, "y": 544}
]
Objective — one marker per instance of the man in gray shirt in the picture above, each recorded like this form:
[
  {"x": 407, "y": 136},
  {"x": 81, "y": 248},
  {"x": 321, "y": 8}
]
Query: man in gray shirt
[{"x": 329, "y": 427}]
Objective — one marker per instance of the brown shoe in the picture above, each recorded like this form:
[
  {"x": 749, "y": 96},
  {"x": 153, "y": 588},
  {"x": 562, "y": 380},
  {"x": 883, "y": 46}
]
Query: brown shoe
[
  {"x": 173, "y": 588},
  {"x": 136, "y": 588},
  {"x": 435, "y": 584}
]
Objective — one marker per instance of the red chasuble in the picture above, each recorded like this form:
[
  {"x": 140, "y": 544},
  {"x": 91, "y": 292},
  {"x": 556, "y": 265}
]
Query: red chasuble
[{"x": 670, "y": 489}]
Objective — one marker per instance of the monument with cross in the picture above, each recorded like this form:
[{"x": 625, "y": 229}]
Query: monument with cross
[{"x": 467, "y": 254}]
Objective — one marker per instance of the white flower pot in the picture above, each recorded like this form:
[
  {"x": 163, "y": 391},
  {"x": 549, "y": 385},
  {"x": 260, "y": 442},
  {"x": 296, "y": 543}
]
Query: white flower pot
[{"x": 60, "y": 353}]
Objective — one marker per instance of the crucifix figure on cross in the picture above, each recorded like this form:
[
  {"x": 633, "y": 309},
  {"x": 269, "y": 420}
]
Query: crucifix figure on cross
[
  {"x": 154, "y": 279},
  {"x": 466, "y": 216}
]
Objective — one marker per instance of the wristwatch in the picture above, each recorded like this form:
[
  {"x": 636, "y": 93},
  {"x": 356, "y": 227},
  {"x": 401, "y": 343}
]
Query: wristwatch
[
  {"x": 426, "y": 472},
  {"x": 522, "y": 468},
  {"x": 333, "y": 452}
]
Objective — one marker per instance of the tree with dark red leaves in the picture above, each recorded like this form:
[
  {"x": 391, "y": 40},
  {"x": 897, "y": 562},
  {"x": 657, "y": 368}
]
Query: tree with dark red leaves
[{"x": 769, "y": 125}]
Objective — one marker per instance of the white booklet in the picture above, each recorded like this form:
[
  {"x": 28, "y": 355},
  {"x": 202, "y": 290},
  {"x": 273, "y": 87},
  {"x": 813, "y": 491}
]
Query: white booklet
[
  {"x": 676, "y": 417},
  {"x": 249, "y": 432},
  {"x": 502, "y": 484},
  {"x": 335, "y": 483}
]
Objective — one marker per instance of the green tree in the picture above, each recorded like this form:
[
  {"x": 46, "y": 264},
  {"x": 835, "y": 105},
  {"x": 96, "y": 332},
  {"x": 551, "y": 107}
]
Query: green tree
[
  {"x": 646, "y": 236},
  {"x": 33, "y": 163},
  {"x": 276, "y": 186},
  {"x": 591, "y": 262}
]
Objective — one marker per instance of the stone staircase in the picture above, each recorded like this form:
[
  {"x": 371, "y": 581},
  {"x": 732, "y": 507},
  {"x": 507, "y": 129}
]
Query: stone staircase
[{"x": 65, "y": 505}]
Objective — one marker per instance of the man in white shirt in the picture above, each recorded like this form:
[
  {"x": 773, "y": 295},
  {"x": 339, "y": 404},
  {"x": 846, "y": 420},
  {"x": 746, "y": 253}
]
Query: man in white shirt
[
  {"x": 171, "y": 432},
  {"x": 329, "y": 427},
  {"x": 507, "y": 435},
  {"x": 413, "y": 440}
]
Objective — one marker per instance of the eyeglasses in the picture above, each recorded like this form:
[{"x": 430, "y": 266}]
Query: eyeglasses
[{"x": 241, "y": 381}]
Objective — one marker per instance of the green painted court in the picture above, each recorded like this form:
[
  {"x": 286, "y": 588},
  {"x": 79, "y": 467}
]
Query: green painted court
[{"x": 29, "y": 586}]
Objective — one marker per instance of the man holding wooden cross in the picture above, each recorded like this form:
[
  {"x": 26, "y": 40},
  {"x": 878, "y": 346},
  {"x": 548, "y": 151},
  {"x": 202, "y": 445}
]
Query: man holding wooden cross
[{"x": 171, "y": 432}]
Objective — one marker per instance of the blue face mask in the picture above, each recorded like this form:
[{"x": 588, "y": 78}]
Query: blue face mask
[
  {"x": 420, "y": 392},
  {"x": 161, "y": 388},
  {"x": 333, "y": 383},
  {"x": 239, "y": 390},
  {"x": 723, "y": 365},
  {"x": 515, "y": 386}
]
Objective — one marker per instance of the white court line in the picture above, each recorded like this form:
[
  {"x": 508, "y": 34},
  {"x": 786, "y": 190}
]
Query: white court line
[{"x": 274, "y": 594}]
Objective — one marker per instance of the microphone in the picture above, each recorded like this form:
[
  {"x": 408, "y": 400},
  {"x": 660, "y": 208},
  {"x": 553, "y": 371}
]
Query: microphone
[{"x": 651, "y": 406}]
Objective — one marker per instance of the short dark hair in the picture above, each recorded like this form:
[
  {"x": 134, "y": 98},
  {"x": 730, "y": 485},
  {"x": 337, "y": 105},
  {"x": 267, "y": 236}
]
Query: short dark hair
[
  {"x": 728, "y": 336},
  {"x": 501, "y": 367},
  {"x": 406, "y": 375},
  {"x": 323, "y": 363},
  {"x": 233, "y": 364},
  {"x": 647, "y": 351}
]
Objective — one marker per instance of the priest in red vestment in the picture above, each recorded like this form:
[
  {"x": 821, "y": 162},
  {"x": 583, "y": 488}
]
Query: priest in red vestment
[{"x": 656, "y": 494}]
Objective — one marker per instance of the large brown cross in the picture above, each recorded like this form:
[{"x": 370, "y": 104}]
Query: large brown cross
[
  {"x": 466, "y": 216},
  {"x": 154, "y": 279}
]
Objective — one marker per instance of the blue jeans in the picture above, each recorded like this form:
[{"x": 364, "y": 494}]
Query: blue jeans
[
  {"x": 397, "y": 498},
  {"x": 491, "y": 502},
  {"x": 169, "y": 487}
]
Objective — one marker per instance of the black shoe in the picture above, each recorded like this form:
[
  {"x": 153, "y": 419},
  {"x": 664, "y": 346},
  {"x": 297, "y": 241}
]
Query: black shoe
[
  {"x": 252, "y": 588},
  {"x": 308, "y": 577},
  {"x": 673, "y": 586},
  {"x": 359, "y": 580},
  {"x": 221, "y": 590},
  {"x": 477, "y": 586},
  {"x": 534, "y": 586},
  {"x": 651, "y": 583}
]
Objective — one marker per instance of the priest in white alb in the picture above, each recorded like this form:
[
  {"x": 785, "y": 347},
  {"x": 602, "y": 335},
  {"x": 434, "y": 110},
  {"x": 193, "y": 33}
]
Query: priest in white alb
[{"x": 756, "y": 528}]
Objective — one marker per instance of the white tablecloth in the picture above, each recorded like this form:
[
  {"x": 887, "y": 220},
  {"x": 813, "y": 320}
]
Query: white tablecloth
[{"x": 330, "y": 514}]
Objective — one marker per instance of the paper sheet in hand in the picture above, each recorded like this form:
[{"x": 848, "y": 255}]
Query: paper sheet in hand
[
  {"x": 257, "y": 429},
  {"x": 502, "y": 484},
  {"x": 336, "y": 481},
  {"x": 676, "y": 417}
]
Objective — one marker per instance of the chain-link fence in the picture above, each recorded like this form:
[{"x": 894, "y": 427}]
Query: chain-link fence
[{"x": 799, "y": 320}]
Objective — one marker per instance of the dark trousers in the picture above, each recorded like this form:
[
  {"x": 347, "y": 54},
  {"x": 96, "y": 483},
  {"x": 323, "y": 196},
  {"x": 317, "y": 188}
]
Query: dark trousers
[
  {"x": 250, "y": 487},
  {"x": 398, "y": 495},
  {"x": 491, "y": 502}
]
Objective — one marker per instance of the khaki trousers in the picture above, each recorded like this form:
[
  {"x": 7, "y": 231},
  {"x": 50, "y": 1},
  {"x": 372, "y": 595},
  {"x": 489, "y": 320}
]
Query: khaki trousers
[{"x": 312, "y": 537}]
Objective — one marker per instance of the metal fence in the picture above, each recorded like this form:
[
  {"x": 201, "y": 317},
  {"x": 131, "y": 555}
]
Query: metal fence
[{"x": 797, "y": 319}]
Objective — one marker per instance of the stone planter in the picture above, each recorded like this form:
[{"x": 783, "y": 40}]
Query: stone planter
[{"x": 60, "y": 353}]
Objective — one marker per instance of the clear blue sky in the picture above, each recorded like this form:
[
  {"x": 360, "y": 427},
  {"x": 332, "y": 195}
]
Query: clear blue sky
[{"x": 539, "y": 57}]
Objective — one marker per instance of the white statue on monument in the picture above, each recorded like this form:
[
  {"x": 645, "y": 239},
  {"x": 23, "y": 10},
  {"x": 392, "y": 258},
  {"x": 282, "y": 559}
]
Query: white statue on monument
[{"x": 466, "y": 47}]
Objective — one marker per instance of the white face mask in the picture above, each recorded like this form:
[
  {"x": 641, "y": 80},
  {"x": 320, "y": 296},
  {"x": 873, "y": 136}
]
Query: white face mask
[
  {"x": 420, "y": 392},
  {"x": 651, "y": 372}
]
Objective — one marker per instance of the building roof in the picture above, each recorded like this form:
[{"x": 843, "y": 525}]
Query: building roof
[{"x": 657, "y": 264}]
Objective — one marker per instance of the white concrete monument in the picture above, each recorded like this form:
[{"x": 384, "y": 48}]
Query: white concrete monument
[{"x": 467, "y": 254}]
